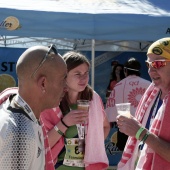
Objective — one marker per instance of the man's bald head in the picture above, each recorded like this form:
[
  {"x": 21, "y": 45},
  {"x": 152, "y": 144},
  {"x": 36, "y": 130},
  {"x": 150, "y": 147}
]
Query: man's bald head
[
  {"x": 29, "y": 61},
  {"x": 41, "y": 81}
]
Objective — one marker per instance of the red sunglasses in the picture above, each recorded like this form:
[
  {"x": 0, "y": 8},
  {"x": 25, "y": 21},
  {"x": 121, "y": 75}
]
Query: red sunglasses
[{"x": 157, "y": 63}]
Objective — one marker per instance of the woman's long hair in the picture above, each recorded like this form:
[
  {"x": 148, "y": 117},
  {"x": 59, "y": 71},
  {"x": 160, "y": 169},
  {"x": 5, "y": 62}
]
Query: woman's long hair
[
  {"x": 74, "y": 59},
  {"x": 113, "y": 75},
  {"x": 122, "y": 76}
]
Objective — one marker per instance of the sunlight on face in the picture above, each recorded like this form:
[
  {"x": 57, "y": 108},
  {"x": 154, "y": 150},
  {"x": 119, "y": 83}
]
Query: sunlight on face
[
  {"x": 159, "y": 76},
  {"x": 77, "y": 78}
]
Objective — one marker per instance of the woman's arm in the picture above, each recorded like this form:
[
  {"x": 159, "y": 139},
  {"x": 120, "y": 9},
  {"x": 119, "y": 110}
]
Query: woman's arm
[{"x": 72, "y": 118}]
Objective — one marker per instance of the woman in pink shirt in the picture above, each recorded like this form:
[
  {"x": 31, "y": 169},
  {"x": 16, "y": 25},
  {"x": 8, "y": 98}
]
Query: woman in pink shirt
[{"x": 63, "y": 123}]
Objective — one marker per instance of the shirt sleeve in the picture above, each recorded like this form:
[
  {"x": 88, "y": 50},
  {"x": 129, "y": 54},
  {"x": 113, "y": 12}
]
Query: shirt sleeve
[
  {"x": 17, "y": 145},
  {"x": 50, "y": 118}
]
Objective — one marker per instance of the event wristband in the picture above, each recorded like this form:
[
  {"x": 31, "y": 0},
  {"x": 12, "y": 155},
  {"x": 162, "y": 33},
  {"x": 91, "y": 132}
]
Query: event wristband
[
  {"x": 64, "y": 123},
  {"x": 139, "y": 132},
  {"x": 145, "y": 137},
  {"x": 58, "y": 130}
]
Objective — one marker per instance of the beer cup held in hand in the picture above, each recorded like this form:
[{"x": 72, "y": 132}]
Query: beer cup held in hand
[
  {"x": 83, "y": 105},
  {"x": 123, "y": 109}
]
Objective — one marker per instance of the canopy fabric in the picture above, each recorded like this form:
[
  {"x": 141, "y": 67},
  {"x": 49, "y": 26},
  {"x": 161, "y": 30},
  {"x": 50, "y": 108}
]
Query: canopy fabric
[
  {"x": 96, "y": 20},
  {"x": 141, "y": 20}
]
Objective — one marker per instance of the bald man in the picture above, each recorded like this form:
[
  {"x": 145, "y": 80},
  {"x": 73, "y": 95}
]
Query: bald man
[{"x": 41, "y": 75}]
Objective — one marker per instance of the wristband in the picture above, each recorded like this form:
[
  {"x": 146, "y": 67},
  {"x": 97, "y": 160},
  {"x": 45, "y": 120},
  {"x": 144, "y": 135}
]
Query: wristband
[
  {"x": 139, "y": 132},
  {"x": 145, "y": 137},
  {"x": 64, "y": 123},
  {"x": 58, "y": 130}
]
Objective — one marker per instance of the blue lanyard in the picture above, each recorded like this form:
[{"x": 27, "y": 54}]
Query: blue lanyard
[{"x": 157, "y": 104}]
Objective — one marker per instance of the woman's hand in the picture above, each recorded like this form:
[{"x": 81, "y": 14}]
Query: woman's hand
[{"x": 75, "y": 117}]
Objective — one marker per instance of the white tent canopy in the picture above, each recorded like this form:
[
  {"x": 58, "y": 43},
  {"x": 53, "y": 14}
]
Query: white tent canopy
[
  {"x": 115, "y": 24},
  {"x": 140, "y": 20}
]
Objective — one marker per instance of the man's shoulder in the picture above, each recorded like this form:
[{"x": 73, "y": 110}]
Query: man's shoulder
[
  {"x": 4, "y": 113},
  {"x": 135, "y": 78},
  {"x": 14, "y": 121},
  {"x": 144, "y": 80}
]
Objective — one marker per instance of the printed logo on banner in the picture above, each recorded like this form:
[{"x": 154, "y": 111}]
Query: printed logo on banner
[
  {"x": 10, "y": 23},
  {"x": 6, "y": 81},
  {"x": 168, "y": 31},
  {"x": 112, "y": 146}
]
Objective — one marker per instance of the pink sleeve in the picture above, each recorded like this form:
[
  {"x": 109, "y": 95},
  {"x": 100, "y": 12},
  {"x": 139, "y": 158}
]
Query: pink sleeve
[
  {"x": 112, "y": 84},
  {"x": 50, "y": 118}
]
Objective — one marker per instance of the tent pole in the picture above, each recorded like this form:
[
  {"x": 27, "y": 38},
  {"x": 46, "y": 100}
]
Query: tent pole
[{"x": 92, "y": 63}]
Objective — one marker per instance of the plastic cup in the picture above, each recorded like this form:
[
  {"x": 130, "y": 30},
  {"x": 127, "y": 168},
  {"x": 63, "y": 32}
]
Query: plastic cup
[
  {"x": 83, "y": 105},
  {"x": 123, "y": 109}
]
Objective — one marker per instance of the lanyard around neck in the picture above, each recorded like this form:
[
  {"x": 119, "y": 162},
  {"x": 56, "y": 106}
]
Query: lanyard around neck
[
  {"x": 23, "y": 105},
  {"x": 154, "y": 108}
]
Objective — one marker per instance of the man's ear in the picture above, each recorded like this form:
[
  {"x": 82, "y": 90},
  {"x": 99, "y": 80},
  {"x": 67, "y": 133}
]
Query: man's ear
[{"x": 42, "y": 82}]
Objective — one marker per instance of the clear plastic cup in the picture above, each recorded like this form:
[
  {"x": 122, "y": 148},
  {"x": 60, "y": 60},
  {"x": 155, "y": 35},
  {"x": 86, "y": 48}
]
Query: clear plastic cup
[
  {"x": 82, "y": 105},
  {"x": 123, "y": 109}
]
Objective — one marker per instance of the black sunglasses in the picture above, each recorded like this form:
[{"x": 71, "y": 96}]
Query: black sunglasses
[{"x": 53, "y": 48}]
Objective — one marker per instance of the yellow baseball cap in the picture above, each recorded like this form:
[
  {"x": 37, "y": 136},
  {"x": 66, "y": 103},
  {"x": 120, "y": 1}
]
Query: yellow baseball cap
[{"x": 161, "y": 48}]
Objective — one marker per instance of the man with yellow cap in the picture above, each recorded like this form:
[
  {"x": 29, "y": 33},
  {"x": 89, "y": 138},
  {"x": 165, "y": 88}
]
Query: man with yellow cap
[{"x": 148, "y": 145}]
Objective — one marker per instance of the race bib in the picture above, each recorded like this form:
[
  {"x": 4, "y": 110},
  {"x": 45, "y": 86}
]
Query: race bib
[{"x": 73, "y": 156}]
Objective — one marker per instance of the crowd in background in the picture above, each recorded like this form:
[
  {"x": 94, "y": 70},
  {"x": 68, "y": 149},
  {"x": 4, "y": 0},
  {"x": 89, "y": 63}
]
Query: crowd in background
[{"x": 41, "y": 126}]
